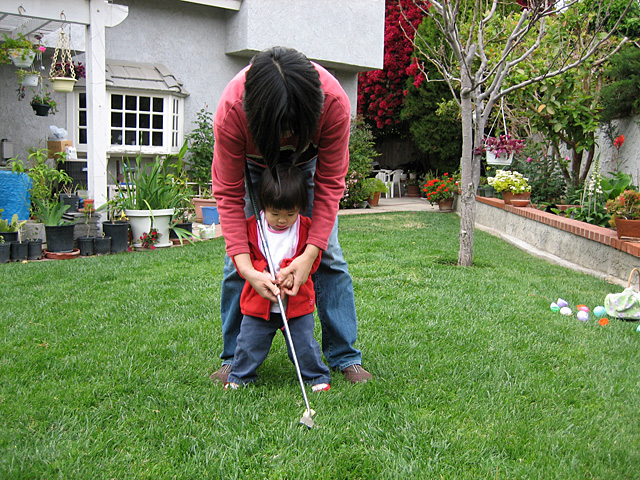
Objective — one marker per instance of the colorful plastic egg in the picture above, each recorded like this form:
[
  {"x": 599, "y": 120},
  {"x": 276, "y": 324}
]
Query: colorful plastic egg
[
  {"x": 582, "y": 316},
  {"x": 566, "y": 311},
  {"x": 583, "y": 308},
  {"x": 599, "y": 311},
  {"x": 603, "y": 322},
  {"x": 562, "y": 303},
  {"x": 554, "y": 307}
]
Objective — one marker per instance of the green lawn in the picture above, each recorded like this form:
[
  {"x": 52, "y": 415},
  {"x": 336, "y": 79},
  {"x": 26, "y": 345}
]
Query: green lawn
[{"x": 105, "y": 366}]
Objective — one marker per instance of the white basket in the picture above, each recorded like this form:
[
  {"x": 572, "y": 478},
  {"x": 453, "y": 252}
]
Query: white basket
[{"x": 492, "y": 159}]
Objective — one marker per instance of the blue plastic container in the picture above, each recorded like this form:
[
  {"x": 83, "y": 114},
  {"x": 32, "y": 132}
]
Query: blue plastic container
[
  {"x": 210, "y": 215},
  {"x": 14, "y": 194}
]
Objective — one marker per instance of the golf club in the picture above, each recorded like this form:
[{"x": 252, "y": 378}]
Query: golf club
[{"x": 308, "y": 413}]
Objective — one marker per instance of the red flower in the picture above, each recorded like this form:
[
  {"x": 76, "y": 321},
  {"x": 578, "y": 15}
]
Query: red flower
[{"x": 618, "y": 142}]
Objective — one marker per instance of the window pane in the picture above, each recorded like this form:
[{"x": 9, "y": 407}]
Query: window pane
[
  {"x": 130, "y": 120},
  {"x": 82, "y": 118},
  {"x": 145, "y": 120},
  {"x": 82, "y": 135},
  {"x": 116, "y": 137},
  {"x": 158, "y": 105},
  {"x": 157, "y": 139},
  {"x": 116, "y": 102},
  {"x": 144, "y": 140},
  {"x": 131, "y": 102},
  {"x": 116, "y": 119},
  {"x": 157, "y": 122},
  {"x": 130, "y": 137},
  {"x": 145, "y": 104},
  {"x": 82, "y": 100}
]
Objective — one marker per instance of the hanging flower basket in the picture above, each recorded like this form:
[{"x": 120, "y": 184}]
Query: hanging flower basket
[
  {"x": 22, "y": 58},
  {"x": 63, "y": 84},
  {"x": 41, "y": 109},
  {"x": 502, "y": 159}
]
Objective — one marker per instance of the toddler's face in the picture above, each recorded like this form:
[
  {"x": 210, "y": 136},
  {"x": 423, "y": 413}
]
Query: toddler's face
[{"x": 280, "y": 219}]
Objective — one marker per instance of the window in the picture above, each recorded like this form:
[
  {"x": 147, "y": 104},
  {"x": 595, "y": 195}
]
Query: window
[{"x": 139, "y": 122}]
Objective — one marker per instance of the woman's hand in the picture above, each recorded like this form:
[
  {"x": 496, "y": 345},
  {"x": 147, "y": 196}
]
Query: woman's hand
[
  {"x": 299, "y": 268},
  {"x": 260, "y": 281}
]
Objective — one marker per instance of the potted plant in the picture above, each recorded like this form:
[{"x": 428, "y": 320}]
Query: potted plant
[
  {"x": 20, "y": 50},
  {"x": 5, "y": 250},
  {"x": 28, "y": 78},
  {"x": 86, "y": 242},
  {"x": 206, "y": 199},
  {"x": 43, "y": 104},
  {"x": 413, "y": 185},
  {"x": 59, "y": 232},
  {"x": 149, "y": 198},
  {"x": 374, "y": 187},
  {"x": 116, "y": 226},
  {"x": 65, "y": 74},
  {"x": 500, "y": 150},
  {"x": 625, "y": 214},
  {"x": 11, "y": 232},
  {"x": 441, "y": 191},
  {"x": 512, "y": 184}
]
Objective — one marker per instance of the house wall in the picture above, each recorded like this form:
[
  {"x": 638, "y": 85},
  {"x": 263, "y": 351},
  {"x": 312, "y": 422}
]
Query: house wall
[{"x": 206, "y": 46}]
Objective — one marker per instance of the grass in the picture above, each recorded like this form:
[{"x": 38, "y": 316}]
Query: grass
[{"x": 105, "y": 366}]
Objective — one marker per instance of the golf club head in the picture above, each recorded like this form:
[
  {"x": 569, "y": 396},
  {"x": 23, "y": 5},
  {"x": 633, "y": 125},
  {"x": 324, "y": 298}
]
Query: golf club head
[{"x": 307, "y": 422}]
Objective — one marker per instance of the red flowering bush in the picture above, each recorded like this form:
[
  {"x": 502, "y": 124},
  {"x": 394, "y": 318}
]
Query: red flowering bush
[
  {"x": 625, "y": 206},
  {"x": 150, "y": 239},
  {"x": 381, "y": 92},
  {"x": 438, "y": 189}
]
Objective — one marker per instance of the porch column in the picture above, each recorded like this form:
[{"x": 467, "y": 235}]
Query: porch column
[{"x": 97, "y": 108}]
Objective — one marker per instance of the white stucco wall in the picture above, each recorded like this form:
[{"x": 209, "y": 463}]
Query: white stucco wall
[
  {"x": 629, "y": 156},
  {"x": 345, "y": 34},
  {"x": 206, "y": 46}
]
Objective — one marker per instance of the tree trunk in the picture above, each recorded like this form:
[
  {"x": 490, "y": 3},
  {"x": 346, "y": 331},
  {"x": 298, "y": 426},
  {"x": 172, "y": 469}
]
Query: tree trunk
[{"x": 467, "y": 198}]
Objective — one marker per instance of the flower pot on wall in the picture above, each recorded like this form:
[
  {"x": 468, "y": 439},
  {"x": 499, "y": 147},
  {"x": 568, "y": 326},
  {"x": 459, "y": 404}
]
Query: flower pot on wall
[
  {"x": 63, "y": 84},
  {"x": 628, "y": 229},
  {"x": 503, "y": 159},
  {"x": 140, "y": 221},
  {"x": 508, "y": 196}
]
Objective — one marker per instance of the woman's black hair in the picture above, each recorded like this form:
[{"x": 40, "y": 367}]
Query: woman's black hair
[
  {"x": 287, "y": 191},
  {"x": 282, "y": 93}
]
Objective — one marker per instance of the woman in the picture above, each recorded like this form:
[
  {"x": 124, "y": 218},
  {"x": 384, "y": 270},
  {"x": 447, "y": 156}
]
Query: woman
[{"x": 284, "y": 109}]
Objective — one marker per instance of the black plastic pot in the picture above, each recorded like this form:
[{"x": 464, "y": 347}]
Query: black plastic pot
[
  {"x": 59, "y": 238},
  {"x": 119, "y": 233},
  {"x": 9, "y": 236},
  {"x": 34, "y": 250},
  {"x": 71, "y": 200},
  {"x": 186, "y": 226},
  {"x": 19, "y": 251},
  {"x": 85, "y": 244},
  {"x": 5, "y": 252},
  {"x": 41, "y": 109},
  {"x": 102, "y": 245}
]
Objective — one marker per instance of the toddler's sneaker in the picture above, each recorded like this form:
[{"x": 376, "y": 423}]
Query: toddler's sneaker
[
  {"x": 231, "y": 386},
  {"x": 320, "y": 387}
]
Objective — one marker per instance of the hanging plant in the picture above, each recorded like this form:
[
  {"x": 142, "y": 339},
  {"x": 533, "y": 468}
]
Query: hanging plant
[
  {"x": 43, "y": 104},
  {"x": 21, "y": 51},
  {"x": 28, "y": 78},
  {"x": 63, "y": 73}
]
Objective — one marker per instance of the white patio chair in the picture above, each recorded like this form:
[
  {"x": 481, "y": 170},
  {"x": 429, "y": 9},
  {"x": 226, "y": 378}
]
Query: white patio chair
[
  {"x": 385, "y": 176},
  {"x": 394, "y": 181}
]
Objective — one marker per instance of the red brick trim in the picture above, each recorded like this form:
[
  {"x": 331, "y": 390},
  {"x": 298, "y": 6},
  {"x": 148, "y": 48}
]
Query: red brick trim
[{"x": 606, "y": 236}]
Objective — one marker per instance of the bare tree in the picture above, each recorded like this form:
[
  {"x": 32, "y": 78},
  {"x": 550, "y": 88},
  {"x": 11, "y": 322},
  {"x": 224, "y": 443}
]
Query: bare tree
[{"x": 476, "y": 58}]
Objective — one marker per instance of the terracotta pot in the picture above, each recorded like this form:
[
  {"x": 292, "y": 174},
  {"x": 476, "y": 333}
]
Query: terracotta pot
[
  {"x": 508, "y": 196},
  {"x": 446, "y": 205},
  {"x": 374, "y": 199},
  {"x": 414, "y": 190},
  {"x": 198, "y": 203},
  {"x": 628, "y": 229},
  {"x": 519, "y": 202}
]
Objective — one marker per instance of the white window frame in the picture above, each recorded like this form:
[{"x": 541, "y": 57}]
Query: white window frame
[{"x": 172, "y": 125}]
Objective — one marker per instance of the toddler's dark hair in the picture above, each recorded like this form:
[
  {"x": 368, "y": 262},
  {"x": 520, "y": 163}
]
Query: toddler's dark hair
[{"x": 286, "y": 192}]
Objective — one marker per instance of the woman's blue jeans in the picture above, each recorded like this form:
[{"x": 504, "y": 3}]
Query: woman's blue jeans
[{"x": 333, "y": 287}]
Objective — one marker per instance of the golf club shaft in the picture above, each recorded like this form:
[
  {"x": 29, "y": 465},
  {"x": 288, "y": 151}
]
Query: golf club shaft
[{"x": 265, "y": 247}]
